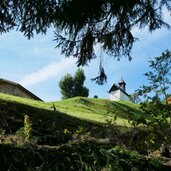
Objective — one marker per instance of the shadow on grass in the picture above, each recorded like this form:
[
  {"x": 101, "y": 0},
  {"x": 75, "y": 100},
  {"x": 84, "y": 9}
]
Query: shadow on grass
[
  {"x": 49, "y": 126},
  {"x": 122, "y": 110}
]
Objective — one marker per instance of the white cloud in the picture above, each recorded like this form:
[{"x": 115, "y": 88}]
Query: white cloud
[
  {"x": 54, "y": 69},
  {"x": 35, "y": 51}
]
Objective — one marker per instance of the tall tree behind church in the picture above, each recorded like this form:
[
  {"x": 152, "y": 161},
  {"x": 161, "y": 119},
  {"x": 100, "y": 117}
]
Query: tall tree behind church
[{"x": 73, "y": 86}]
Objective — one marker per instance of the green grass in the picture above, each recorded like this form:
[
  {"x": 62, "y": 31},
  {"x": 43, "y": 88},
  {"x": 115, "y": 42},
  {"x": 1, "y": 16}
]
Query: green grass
[
  {"x": 75, "y": 116},
  {"x": 98, "y": 110},
  {"x": 48, "y": 126},
  {"x": 35, "y": 103},
  {"x": 89, "y": 109},
  {"x": 87, "y": 114}
]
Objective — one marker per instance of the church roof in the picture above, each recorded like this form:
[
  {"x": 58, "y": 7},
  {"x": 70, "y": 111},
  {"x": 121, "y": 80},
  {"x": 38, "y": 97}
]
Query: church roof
[
  {"x": 115, "y": 88},
  {"x": 21, "y": 87},
  {"x": 121, "y": 81}
]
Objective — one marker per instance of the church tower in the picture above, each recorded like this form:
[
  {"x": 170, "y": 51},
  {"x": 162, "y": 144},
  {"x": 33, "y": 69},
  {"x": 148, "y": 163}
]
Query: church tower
[{"x": 122, "y": 84}]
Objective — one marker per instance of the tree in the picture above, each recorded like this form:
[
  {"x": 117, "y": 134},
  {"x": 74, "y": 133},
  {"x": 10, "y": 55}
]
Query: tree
[
  {"x": 135, "y": 98},
  {"x": 66, "y": 85},
  {"x": 73, "y": 86},
  {"x": 81, "y": 24},
  {"x": 159, "y": 78}
]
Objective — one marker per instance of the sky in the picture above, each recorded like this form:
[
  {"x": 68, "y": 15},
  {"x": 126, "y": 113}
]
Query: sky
[{"x": 38, "y": 66}]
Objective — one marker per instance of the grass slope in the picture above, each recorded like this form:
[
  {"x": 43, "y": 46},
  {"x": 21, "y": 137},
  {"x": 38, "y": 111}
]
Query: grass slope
[
  {"x": 75, "y": 120},
  {"x": 98, "y": 110},
  {"x": 91, "y": 109},
  {"x": 20, "y": 100},
  {"x": 50, "y": 125}
]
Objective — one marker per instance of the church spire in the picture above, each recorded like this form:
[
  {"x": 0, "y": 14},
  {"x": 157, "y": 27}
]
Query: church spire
[{"x": 122, "y": 84}]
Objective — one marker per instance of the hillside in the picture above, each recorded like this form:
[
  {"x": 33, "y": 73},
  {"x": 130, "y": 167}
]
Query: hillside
[
  {"x": 98, "y": 110},
  {"x": 48, "y": 125},
  {"x": 73, "y": 129},
  {"x": 91, "y": 109},
  {"x": 51, "y": 121}
]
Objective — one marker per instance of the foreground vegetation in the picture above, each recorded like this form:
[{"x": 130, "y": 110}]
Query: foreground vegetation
[
  {"x": 74, "y": 134},
  {"x": 87, "y": 155}
]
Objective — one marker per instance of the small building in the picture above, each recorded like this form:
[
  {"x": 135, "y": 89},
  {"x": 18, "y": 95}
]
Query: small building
[
  {"x": 15, "y": 89},
  {"x": 118, "y": 92}
]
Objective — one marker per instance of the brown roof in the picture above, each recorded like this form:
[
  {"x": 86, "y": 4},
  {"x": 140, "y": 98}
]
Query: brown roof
[{"x": 21, "y": 87}]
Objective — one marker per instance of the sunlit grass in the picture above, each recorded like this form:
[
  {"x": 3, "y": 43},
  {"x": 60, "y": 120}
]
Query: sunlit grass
[
  {"x": 34, "y": 103},
  {"x": 98, "y": 110},
  {"x": 91, "y": 109}
]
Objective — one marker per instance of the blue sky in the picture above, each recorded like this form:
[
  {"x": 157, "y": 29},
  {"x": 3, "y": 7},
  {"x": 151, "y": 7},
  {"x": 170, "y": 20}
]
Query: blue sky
[{"x": 38, "y": 65}]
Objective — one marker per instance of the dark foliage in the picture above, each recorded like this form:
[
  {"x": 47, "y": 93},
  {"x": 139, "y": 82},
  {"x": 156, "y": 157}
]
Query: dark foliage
[
  {"x": 81, "y": 24},
  {"x": 76, "y": 156},
  {"x": 48, "y": 126},
  {"x": 101, "y": 78}
]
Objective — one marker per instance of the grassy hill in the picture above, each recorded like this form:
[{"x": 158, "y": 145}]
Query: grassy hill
[
  {"x": 98, "y": 110},
  {"x": 91, "y": 109},
  {"x": 71, "y": 131},
  {"x": 50, "y": 126}
]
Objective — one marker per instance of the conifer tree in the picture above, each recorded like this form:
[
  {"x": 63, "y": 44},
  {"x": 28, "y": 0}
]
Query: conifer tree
[{"x": 80, "y": 24}]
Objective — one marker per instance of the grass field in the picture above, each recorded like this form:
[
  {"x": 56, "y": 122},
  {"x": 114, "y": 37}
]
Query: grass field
[
  {"x": 98, "y": 110},
  {"x": 90, "y": 109},
  {"x": 63, "y": 123},
  {"x": 89, "y": 113},
  {"x": 49, "y": 125},
  {"x": 35, "y": 103}
]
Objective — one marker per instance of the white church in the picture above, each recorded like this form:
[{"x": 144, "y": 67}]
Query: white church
[{"x": 118, "y": 92}]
